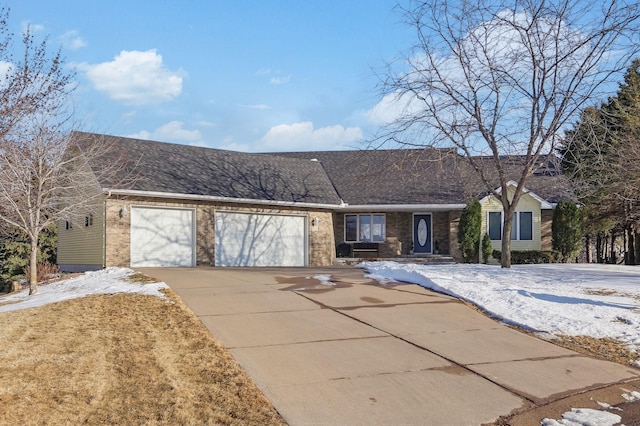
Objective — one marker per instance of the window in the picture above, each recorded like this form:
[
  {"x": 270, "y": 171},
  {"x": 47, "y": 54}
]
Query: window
[
  {"x": 521, "y": 228},
  {"x": 351, "y": 227},
  {"x": 495, "y": 225},
  {"x": 88, "y": 220},
  {"x": 364, "y": 227},
  {"x": 524, "y": 226},
  {"x": 68, "y": 225}
]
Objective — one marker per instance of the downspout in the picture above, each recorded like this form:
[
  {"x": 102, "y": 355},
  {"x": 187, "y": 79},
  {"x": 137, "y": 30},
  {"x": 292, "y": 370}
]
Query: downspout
[{"x": 104, "y": 230}]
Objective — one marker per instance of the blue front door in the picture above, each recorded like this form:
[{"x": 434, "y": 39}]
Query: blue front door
[{"x": 422, "y": 233}]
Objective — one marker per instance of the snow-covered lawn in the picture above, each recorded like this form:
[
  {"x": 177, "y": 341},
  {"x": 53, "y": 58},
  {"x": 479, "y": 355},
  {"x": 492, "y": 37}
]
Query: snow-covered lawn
[
  {"x": 570, "y": 299},
  {"x": 106, "y": 281}
]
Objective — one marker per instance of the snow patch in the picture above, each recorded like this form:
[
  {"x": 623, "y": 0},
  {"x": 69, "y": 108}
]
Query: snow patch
[
  {"x": 631, "y": 396},
  {"x": 325, "y": 279},
  {"x": 584, "y": 417},
  {"x": 110, "y": 280}
]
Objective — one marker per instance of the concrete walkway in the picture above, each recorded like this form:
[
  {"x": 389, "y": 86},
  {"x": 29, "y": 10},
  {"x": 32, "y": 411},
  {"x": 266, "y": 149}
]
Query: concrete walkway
[{"x": 357, "y": 352}]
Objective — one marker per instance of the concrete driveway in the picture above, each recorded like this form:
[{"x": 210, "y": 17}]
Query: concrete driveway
[{"x": 356, "y": 352}]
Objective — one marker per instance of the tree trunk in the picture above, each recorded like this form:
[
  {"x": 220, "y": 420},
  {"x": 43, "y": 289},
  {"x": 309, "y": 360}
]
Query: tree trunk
[
  {"x": 587, "y": 248},
  {"x": 505, "y": 258},
  {"x": 612, "y": 252},
  {"x": 631, "y": 252},
  {"x": 625, "y": 246},
  {"x": 33, "y": 267},
  {"x": 599, "y": 251}
]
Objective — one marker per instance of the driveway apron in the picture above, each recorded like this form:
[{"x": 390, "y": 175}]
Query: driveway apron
[{"x": 330, "y": 346}]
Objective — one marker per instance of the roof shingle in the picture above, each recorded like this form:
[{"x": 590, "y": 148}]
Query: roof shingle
[
  {"x": 183, "y": 169},
  {"x": 364, "y": 177}
]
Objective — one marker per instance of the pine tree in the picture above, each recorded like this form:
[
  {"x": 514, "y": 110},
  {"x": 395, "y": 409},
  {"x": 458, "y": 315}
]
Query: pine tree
[
  {"x": 601, "y": 155},
  {"x": 566, "y": 229},
  {"x": 469, "y": 230},
  {"x": 486, "y": 248}
]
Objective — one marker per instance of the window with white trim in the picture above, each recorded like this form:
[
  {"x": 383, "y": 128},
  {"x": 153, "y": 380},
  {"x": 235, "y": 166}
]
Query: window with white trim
[
  {"x": 521, "y": 228},
  {"x": 365, "y": 227}
]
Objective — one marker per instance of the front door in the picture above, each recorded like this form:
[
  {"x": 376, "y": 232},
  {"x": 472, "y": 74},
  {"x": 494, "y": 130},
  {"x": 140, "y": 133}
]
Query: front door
[{"x": 422, "y": 233}]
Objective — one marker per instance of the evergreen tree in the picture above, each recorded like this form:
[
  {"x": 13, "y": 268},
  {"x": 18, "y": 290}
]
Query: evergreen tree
[
  {"x": 15, "y": 248},
  {"x": 601, "y": 155},
  {"x": 486, "y": 248},
  {"x": 469, "y": 230},
  {"x": 566, "y": 229}
]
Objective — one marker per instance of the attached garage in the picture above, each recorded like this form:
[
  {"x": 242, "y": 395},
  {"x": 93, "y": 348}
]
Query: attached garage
[
  {"x": 256, "y": 239},
  {"x": 162, "y": 237}
]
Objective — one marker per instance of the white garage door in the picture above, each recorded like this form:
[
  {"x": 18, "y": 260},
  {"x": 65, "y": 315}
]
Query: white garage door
[
  {"x": 162, "y": 237},
  {"x": 250, "y": 239}
]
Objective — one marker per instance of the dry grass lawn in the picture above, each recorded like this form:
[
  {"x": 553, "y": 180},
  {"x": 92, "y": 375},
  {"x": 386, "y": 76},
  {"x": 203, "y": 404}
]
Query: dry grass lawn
[{"x": 125, "y": 359}]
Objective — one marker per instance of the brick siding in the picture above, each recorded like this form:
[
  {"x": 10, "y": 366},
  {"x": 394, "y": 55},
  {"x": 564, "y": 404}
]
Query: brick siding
[
  {"x": 545, "y": 230},
  {"x": 118, "y": 228},
  {"x": 399, "y": 232}
]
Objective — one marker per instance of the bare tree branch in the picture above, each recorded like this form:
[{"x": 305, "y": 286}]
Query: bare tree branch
[
  {"x": 499, "y": 78},
  {"x": 44, "y": 176}
]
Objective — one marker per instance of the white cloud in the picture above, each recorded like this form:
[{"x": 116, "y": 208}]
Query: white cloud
[
  {"x": 72, "y": 40},
  {"x": 33, "y": 28},
  {"x": 256, "y": 106},
  {"x": 142, "y": 134},
  {"x": 204, "y": 123},
  {"x": 234, "y": 146},
  {"x": 280, "y": 79},
  {"x": 304, "y": 137},
  {"x": 391, "y": 107},
  {"x": 135, "y": 77},
  {"x": 499, "y": 67},
  {"x": 6, "y": 69},
  {"x": 277, "y": 76},
  {"x": 173, "y": 131}
]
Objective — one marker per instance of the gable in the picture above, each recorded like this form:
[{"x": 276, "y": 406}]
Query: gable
[
  {"x": 546, "y": 181},
  {"x": 528, "y": 200},
  {"x": 527, "y": 203}
]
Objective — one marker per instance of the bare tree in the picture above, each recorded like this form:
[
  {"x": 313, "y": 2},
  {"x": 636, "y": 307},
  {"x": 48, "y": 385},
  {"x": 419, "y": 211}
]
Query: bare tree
[
  {"x": 35, "y": 82},
  {"x": 44, "y": 176},
  {"x": 498, "y": 78}
]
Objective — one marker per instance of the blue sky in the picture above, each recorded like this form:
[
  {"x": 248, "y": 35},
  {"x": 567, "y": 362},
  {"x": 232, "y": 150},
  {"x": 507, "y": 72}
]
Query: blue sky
[{"x": 271, "y": 75}]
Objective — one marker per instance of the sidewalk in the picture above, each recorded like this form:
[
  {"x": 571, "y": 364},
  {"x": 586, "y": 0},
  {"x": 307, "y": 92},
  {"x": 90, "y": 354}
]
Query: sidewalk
[{"x": 355, "y": 352}]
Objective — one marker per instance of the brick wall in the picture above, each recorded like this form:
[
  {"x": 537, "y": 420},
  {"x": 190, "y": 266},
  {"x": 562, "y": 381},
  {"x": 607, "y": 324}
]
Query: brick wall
[
  {"x": 454, "y": 221},
  {"x": 441, "y": 231},
  {"x": 399, "y": 235},
  {"x": 322, "y": 245},
  {"x": 545, "y": 230},
  {"x": 118, "y": 224},
  {"x": 117, "y": 233}
]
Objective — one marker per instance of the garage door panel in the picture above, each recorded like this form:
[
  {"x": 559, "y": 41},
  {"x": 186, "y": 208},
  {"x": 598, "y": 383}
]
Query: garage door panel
[
  {"x": 244, "y": 239},
  {"x": 162, "y": 237}
]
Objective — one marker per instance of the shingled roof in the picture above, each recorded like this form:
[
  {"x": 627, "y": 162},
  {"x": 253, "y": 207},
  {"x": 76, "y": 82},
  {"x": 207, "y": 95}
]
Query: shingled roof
[
  {"x": 181, "y": 169},
  {"x": 547, "y": 180},
  {"x": 358, "y": 178},
  {"x": 388, "y": 177}
]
